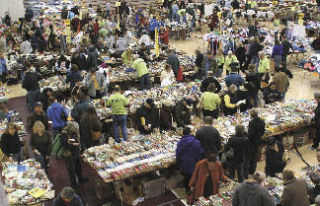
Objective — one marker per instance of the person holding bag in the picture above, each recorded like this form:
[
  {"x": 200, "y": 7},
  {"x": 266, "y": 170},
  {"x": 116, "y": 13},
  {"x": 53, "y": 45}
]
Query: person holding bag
[
  {"x": 70, "y": 143},
  {"x": 90, "y": 128}
]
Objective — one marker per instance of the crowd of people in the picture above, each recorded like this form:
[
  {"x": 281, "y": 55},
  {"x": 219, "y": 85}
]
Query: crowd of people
[{"x": 129, "y": 34}]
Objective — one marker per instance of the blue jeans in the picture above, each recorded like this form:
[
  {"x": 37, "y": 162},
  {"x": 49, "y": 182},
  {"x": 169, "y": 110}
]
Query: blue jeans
[
  {"x": 18, "y": 156},
  {"x": 120, "y": 120},
  {"x": 255, "y": 61},
  {"x": 32, "y": 97},
  {"x": 174, "y": 17},
  {"x": 42, "y": 159},
  {"x": 145, "y": 82}
]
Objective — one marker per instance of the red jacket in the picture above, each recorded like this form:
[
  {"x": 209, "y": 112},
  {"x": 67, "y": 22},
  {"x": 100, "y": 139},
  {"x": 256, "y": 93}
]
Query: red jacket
[
  {"x": 199, "y": 177},
  {"x": 165, "y": 37},
  {"x": 96, "y": 28}
]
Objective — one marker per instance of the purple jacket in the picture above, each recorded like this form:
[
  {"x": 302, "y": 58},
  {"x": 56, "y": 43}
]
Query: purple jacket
[
  {"x": 277, "y": 50},
  {"x": 189, "y": 152}
]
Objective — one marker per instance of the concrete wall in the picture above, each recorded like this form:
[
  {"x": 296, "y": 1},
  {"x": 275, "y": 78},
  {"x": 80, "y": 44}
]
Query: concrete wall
[{"x": 15, "y": 8}]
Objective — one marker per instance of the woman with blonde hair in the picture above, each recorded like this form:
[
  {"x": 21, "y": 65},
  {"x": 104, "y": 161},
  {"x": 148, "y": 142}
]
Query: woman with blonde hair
[
  {"x": 10, "y": 143},
  {"x": 40, "y": 143}
]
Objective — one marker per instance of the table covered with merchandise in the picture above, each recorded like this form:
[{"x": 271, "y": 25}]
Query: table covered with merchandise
[
  {"x": 280, "y": 118},
  {"x": 27, "y": 183},
  {"x": 139, "y": 155},
  {"x": 148, "y": 153}
]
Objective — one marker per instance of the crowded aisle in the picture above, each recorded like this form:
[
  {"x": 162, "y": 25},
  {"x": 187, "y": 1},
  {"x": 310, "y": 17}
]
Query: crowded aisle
[{"x": 107, "y": 103}]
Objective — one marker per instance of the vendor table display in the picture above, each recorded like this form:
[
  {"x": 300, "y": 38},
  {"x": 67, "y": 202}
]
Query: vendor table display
[
  {"x": 56, "y": 83},
  {"x": 139, "y": 155},
  {"x": 279, "y": 117},
  {"x": 148, "y": 153},
  {"x": 27, "y": 183}
]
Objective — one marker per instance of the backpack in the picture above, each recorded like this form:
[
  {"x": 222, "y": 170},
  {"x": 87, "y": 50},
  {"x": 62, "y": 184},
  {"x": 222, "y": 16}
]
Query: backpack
[{"x": 57, "y": 150}]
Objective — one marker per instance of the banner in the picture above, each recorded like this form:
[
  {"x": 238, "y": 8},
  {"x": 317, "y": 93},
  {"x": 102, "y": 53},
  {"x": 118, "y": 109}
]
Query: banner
[{"x": 156, "y": 43}]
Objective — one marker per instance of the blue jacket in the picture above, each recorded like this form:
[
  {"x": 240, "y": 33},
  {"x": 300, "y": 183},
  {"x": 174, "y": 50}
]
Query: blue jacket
[
  {"x": 72, "y": 77},
  {"x": 54, "y": 112},
  {"x": 153, "y": 24},
  {"x": 189, "y": 152},
  {"x": 174, "y": 8},
  {"x": 235, "y": 79},
  {"x": 3, "y": 66}
]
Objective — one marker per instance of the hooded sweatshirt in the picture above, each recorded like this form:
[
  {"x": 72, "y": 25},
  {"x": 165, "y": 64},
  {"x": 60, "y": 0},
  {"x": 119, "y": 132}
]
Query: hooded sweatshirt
[
  {"x": 189, "y": 152},
  {"x": 251, "y": 194},
  {"x": 54, "y": 113}
]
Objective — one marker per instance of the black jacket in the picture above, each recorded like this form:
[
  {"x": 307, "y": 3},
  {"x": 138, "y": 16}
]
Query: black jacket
[
  {"x": 31, "y": 81},
  {"x": 89, "y": 123},
  {"x": 241, "y": 54},
  {"x": 239, "y": 146},
  {"x": 151, "y": 117},
  {"x": 271, "y": 96},
  {"x": 166, "y": 119},
  {"x": 199, "y": 60},
  {"x": 210, "y": 139},
  {"x": 10, "y": 144},
  {"x": 42, "y": 143},
  {"x": 256, "y": 131},
  {"x": 205, "y": 83},
  {"x": 182, "y": 114},
  {"x": 317, "y": 117},
  {"x": 35, "y": 117},
  {"x": 255, "y": 47},
  {"x": 316, "y": 44},
  {"x": 44, "y": 99},
  {"x": 274, "y": 162}
]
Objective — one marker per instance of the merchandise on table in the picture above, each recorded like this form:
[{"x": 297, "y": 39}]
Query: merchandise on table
[
  {"x": 12, "y": 116},
  {"x": 26, "y": 183},
  {"x": 56, "y": 83},
  {"x": 279, "y": 118},
  {"x": 139, "y": 155}
]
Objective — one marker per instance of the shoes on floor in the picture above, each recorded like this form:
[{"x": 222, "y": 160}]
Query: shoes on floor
[{"x": 312, "y": 148}]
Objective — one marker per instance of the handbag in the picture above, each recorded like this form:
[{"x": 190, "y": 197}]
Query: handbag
[
  {"x": 96, "y": 135},
  {"x": 58, "y": 151}
]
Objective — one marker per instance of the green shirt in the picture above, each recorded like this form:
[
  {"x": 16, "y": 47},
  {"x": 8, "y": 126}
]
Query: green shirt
[
  {"x": 220, "y": 60},
  {"x": 181, "y": 11},
  {"x": 118, "y": 102},
  {"x": 126, "y": 58},
  {"x": 140, "y": 66},
  {"x": 210, "y": 101},
  {"x": 229, "y": 60},
  {"x": 264, "y": 65}
]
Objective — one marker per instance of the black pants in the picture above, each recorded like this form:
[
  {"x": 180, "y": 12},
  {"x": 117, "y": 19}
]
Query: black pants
[
  {"x": 250, "y": 164},
  {"x": 233, "y": 167},
  {"x": 316, "y": 139},
  {"x": 186, "y": 180},
  {"x": 214, "y": 114},
  {"x": 73, "y": 166},
  {"x": 152, "y": 35}
]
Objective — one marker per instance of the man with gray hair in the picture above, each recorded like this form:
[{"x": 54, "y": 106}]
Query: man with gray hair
[
  {"x": 316, "y": 121},
  {"x": 67, "y": 197}
]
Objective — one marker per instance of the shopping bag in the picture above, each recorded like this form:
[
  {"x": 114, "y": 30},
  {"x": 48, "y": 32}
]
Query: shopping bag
[{"x": 57, "y": 150}]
